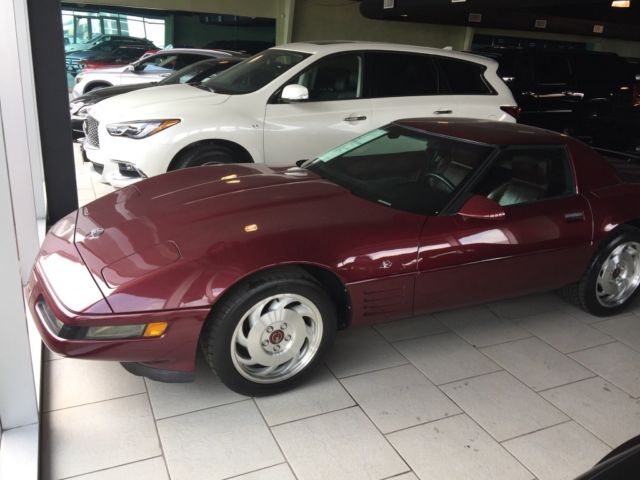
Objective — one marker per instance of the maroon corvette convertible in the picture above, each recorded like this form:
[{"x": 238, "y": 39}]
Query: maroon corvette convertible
[{"x": 261, "y": 266}]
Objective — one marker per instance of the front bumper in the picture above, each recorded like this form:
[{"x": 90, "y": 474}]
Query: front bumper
[{"x": 174, "y": 351}]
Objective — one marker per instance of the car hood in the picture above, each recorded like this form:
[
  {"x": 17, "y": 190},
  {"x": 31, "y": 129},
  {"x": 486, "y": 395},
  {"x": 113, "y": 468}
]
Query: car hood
[
  {"x": 100, "y": 94},
  {"x": 108, "y": 71},
  {"x": 161, "y": 101}
]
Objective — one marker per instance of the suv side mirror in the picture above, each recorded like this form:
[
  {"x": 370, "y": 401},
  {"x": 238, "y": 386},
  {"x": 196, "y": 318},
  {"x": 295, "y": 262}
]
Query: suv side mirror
[
  {"x": 131, "y": 67},
  {"x": 295, "y": 93},
  {"x": 483, "y": 208}
]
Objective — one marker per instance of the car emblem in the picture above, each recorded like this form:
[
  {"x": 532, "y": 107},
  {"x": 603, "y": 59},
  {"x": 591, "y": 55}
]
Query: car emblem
[
  {"x": 386, "y": 264},
  {"x": 95, "y": 233}
]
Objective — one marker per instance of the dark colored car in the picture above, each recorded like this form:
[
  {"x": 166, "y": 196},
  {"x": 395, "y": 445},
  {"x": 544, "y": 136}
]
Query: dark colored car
[
  {"x": 260, "y": 266},
  {"x": 193, "y": 73},
  {"x": 124, "y": 55},
  {"x": 622, "y": 463},
  {"x": 104, "y": 47},
  {"x": 590, "y": 95}
]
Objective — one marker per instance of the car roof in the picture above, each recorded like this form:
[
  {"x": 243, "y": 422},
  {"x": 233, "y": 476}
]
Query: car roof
[
  {"x": 325, "y": 47},
  {"x": 486, "y": 131},
  {"x": 198, "y": 51}
]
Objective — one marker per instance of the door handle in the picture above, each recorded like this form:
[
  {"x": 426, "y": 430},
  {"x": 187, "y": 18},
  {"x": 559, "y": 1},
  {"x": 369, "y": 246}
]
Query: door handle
[
  {"x": 574, "y": 217},
  {"x": 443, "y": 112},
  {"x": 358, "y": 118}
]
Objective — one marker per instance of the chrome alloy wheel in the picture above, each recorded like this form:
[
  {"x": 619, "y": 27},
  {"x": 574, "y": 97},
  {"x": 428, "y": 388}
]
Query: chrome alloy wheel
[
  {"x": 619, "y": 276},
  {"x": 277, "y": 338}
]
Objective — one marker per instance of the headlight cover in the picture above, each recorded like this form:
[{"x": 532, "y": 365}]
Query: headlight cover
[{"x": 140, "y": 129}]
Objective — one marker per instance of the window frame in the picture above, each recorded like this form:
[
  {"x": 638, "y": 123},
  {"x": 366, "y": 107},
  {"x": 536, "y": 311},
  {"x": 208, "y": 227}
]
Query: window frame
[
  {"x": 274, "y": 98},
  {"x": 445, "y": 78},
  {"x": 463, "y": 196}
]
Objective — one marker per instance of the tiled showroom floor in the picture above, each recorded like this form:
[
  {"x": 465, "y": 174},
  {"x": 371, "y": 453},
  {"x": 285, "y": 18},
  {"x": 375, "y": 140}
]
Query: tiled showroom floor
[{"x": 521, "y": 389}]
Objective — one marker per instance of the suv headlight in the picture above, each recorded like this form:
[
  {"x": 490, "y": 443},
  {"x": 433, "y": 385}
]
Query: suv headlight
[{"x": 140, "y": 129}]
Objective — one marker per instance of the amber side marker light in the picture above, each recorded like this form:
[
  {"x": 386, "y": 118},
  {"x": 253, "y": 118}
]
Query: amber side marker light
[{"x": 155, "y": 329}]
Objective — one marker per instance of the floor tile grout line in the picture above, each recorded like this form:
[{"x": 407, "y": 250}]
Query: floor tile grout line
[
  {"x": 593, "y": 346},
  {"x": 202, "y": 409},
  {"x": 257, "y": 470},
  {"x": 111, "y": 467},
  {"x": 155, "y": 426},
  {"x": 373, "y": 371},
  {"x": 273, "y": 436},
  {"x": 47, "y": 412},
  {"x": 421, "y": 424},
  {"x": 471, "y": 378},
  {"x": 399, "y": 474},
  {"x": 313, "y": 416},
  {"x": 541, "y": 429}
]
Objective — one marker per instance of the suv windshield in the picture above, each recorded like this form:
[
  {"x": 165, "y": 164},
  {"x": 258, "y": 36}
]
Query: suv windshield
[
  {"x": 199, "y": 71},
  {"x": 255, "y": 73},
  {"x": 402, "y": 168}
]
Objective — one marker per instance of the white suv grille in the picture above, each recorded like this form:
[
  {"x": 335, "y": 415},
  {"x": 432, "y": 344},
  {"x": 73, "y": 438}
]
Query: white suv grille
[{"x": 91, "y": 131}]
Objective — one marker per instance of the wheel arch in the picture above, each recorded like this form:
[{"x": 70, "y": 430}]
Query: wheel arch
[
  {"x": 327, "y": 279},
  {"x": 96, "y": 83},
  {"x": 238, "y": 149}
]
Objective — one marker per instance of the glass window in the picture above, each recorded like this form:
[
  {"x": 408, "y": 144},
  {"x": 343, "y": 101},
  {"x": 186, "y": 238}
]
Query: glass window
[
  {"x": 255, "y": 72},
  {"x": 527, "y": 175},
  {"x": 464, "y": 78},
  {"x": 392, "y": 74},
  {"x": 198, "y": 71},
  {"x": 158, "y": 63},
  {"x": 402, "y": 168},
  {"x": 338, "y": 77}
]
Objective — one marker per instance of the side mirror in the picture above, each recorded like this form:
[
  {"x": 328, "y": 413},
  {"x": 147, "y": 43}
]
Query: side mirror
[
  {"x": 131, "y": 67},
  {"x": 300, "y": 163},
  {"x": 483, "y": 208},
  {"x": 295, "y": 93}
]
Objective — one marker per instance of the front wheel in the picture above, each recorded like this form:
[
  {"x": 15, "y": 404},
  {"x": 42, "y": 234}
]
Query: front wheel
[
  {"x": 612, "y": 280},
  {"x": 270, "y": 333}
]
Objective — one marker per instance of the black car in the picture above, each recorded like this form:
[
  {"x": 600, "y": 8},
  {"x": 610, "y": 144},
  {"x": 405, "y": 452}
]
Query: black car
[
  {"x": 589, "y": 95},
  {"x": 622, "y": 463},
  {"x": 193, "y": 74}
]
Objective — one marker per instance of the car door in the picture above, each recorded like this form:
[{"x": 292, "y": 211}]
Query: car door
[
  {"x": 543, "y": 241},
  {"x": 405, "y": 85},
  {"x": 334, "y": 113}
]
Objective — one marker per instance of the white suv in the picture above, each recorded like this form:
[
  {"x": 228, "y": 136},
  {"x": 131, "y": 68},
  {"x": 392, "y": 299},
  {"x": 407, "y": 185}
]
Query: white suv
[{"x": 286, "y": 104}]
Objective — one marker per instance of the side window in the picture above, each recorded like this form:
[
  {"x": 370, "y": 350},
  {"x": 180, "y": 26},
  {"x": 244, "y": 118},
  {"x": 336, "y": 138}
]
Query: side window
[
  {"x": 464, "y": 78},
  {"x": 338, "y": 77},
  {"x": 526, "y": 175},
  {"x": 551, "y": 69},
  {"x": 158, "y": 63},
  {"x": 391, "y": 74},
  {"x": 185, "y": 60}
]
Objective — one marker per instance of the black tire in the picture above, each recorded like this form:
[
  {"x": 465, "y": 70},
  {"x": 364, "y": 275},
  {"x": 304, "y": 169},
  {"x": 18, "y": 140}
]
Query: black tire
[
  {"x": 584, "y": 293},
  {"x": 208, "y": 154},
  {"x": 230, "y": 316}
]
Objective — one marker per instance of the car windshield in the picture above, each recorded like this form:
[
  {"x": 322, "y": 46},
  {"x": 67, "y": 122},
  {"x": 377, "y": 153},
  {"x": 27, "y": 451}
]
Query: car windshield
[
  {"x": 402, "y": 168},
  {"x": 255, "y": 73},
  {"x": 197, "y": 72}
]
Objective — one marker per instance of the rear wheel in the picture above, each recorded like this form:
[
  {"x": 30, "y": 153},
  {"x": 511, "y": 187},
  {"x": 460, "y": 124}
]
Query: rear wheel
[
  {"x": 612, "y": 280},
  {"x": 203, "y": 155},
  {"x": 270, "y": 332}
]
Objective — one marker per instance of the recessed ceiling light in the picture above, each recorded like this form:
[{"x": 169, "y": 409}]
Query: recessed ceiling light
[{"x": 621, "y": 3}]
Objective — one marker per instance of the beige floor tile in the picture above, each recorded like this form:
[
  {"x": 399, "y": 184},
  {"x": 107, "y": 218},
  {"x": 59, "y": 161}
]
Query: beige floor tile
[
  {"x": 445, "y": 358},
  {"x": 456, "y": 448},
  {"x": 616, "y": 363},
  {"x": 502, "y": 405},
  {"x": 218, "y": 443},
  {"x": 399, "y": 397},
  {"x": 488, "y": 329},
  {"x": 625, "y": 328},
  {"x": 152, "y": 469},
  {"x": 321, "y": 393},
  {"x": 342, "y": 445},
  {"x": 564, "y": 332},
  {"x": 97, "y": 436},
  {"x": 361, "y": 350},
  {"x": 603, "y": 409},
  {"x": 169, "y": 399},
  {"x": 561, "y": 452},
  {"x": 70, "y": 382},
  {"x": 410, "y": 328},
  {"x": 536, "y": 364}
]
